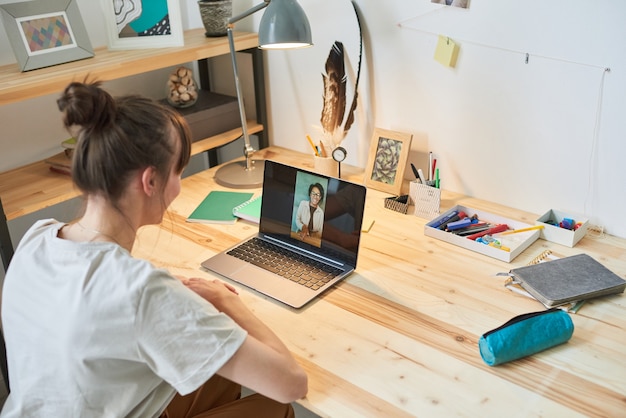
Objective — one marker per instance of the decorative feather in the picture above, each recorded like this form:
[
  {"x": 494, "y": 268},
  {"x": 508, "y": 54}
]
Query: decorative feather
[
  {"x": 350, "y": 118},
  {"x": 334, "y": 92},
  {"x": 334, "y": 80}
]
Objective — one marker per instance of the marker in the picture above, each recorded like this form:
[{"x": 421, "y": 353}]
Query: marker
[
  {"x": 420, "y": 173},
  {"x": 490, "y": 231},
  {"x": 417, "y": 175},
  {"x": 436, "y": 177},
  {"x": 445, "y": 219},
  {"x": 455, "y": 217}
]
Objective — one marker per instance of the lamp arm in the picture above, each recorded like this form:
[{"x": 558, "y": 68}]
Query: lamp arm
[
  {"x": 247, "y": 150},
  {"x": 249, "y": 12}
]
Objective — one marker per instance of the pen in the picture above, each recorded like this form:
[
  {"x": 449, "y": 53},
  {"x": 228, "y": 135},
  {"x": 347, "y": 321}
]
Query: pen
[
  {"x": 434, "y": 166},
  {"x": 313, "y": 145},
  {"x": 417, "y": 176}
]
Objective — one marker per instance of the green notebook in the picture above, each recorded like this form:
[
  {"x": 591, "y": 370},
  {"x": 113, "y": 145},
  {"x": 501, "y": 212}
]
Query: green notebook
[
  {"x": 250, "y": 210},
  {"x": 218, "y": 207}
]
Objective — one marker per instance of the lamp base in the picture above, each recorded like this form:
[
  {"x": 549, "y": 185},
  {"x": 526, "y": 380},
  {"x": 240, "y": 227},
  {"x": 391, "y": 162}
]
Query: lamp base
[{"x": 235, "y": 175}]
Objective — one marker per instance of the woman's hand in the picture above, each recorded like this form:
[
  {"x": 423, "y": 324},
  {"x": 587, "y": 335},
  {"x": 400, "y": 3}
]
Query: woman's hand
[{"x": 219, "y": 294}]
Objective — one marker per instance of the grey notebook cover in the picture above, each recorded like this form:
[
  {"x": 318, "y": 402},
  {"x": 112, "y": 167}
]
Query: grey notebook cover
[{"x": 568, "y": 279}]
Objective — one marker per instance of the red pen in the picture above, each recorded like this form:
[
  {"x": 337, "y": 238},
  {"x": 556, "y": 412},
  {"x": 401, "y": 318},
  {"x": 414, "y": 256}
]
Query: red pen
[
  {"x": 490, "y": 231},
  {"x": 432, "y": 175}
]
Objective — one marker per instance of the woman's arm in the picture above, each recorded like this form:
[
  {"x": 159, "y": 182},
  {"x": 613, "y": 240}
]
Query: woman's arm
[{"x": 262, "y": 363}]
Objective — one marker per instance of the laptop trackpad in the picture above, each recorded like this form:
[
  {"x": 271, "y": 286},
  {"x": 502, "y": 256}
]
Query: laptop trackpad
[
  {"x": 257, "y": 278},
  {"x": 270, "y": 284}
]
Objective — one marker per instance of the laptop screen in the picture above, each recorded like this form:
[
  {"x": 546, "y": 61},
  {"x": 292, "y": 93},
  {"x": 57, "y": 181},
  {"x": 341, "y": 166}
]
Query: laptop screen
[{"x": 317, "y": 213}]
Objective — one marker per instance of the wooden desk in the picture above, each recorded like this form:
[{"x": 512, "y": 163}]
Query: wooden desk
[{"x": 399, "y": 337}]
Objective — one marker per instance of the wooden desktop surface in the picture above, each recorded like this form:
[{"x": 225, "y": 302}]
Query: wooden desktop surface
[{"x": 398, "y": 338}]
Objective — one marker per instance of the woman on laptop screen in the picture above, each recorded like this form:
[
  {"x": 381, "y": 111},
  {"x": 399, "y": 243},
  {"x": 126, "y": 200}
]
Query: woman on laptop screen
[
  {"x": 91, "y": 330},
  {"x": 309, "y": 217}
]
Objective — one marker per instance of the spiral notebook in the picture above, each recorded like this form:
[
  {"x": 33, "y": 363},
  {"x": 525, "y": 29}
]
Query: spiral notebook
[
  {"x": 568, "y": 279},
  {"x": 250, "y": 210}
]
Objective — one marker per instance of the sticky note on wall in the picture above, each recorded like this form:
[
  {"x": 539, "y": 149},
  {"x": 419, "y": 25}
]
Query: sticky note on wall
[{"x": 447, "y": 51}]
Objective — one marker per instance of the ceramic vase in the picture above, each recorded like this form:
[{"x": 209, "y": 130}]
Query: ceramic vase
[{"x": 215, "y": 15}]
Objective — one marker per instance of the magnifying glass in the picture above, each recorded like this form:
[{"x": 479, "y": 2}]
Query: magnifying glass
[{"x": 339, "y": 154}]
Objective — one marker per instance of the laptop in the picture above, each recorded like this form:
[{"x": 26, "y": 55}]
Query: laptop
[{"x": 308, "y": 222}]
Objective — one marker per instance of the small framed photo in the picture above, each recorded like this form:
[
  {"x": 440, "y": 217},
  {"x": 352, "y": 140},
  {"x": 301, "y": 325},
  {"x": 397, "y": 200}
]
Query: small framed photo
[
  {"x": 138, "y": 24},
  {"x": 389, "y": 151},
  {"x": 45, "y": 32}
]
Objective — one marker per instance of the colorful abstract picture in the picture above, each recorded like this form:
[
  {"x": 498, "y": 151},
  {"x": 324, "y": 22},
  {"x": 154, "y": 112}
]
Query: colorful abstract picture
[
  {"x": 45, "y": 33},
  {"x": 138, "y": 24},
  {"x": 141, "y": 18}
]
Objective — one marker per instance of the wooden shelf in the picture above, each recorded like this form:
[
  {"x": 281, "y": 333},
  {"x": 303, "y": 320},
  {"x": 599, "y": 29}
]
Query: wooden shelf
[
  {"x": 33, "y": 187},
  {"x": 16, "y": 86}
]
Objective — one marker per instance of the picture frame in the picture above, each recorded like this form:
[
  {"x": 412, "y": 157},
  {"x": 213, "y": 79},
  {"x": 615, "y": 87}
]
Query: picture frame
[
  {"x": 389, "y": 151},
  {"x": 43, "y": 33},
  {"x": 139, "y": 24}
]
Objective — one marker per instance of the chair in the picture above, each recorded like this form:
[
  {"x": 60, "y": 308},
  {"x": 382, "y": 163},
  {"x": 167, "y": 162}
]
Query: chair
[{"x": 6, "y": 247}]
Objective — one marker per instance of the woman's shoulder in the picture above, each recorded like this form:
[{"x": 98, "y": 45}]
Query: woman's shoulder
[{"x": 41, "y": 227}]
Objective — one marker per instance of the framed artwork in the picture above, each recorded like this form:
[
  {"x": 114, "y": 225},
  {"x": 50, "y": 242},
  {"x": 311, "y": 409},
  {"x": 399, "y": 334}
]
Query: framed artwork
[
  {"x": 389, "y": 151},
  {"x": 45, "y": 32},
  {"x": 456, "y": 3},
  {"x": 138, "y": 24}
]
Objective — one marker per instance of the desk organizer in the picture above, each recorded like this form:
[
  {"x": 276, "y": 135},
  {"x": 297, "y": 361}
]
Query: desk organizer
[
  {"x": 515, "y": 242},
  {"x": 426, "y": 200},
  {"x": 398, "y": 203},
  {"x": 553, "y": 232}
]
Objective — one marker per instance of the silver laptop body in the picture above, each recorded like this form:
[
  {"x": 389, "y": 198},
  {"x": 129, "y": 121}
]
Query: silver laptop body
[{"x": 288, "y": 203}]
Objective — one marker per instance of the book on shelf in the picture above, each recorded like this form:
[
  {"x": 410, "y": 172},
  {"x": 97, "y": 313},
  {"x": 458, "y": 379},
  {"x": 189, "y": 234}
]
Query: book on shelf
[
  {"x": 566, "y": 280},
  {"x": 249, "y": 210},
  {"x": 217, "y": 207},
  {"x": 60, "y": 163}
]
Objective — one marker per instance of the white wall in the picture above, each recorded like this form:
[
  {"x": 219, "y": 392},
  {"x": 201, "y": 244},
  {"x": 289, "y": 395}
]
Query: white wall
[{"x": 547, "y": 134}]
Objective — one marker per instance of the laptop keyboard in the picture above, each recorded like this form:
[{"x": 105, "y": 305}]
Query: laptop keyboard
[{"x": 295, "y": 267}]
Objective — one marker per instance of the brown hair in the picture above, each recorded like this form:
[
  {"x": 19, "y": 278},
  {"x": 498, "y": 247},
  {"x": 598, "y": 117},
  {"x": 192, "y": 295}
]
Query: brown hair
[{"x": 118, "y": 136}]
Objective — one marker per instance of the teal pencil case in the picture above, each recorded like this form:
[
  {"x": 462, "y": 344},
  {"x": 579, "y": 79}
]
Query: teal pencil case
[{"x": 524, "y": 335}]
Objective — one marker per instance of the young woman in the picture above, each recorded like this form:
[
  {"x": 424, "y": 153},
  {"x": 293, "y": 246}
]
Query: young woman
[
  {"x": 310, "y": 216},
  {"x": 92, "y": 331}
]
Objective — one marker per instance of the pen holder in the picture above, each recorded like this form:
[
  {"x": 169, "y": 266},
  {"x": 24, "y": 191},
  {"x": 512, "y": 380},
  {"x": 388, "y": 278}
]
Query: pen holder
[
  {"x": 326, "y": 165},
  {"x": 426, "y": 200}
]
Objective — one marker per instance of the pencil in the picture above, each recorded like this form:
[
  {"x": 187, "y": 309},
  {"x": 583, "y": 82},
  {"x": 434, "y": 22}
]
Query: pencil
[
  {"x": 313, "y": 145},
  {"x": 322, "y": 149},
  {"x": 515, "y": 231}
]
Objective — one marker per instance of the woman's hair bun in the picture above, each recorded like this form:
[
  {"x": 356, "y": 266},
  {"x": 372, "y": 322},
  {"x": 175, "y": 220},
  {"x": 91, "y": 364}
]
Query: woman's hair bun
[{"x": 86, "y": 105}]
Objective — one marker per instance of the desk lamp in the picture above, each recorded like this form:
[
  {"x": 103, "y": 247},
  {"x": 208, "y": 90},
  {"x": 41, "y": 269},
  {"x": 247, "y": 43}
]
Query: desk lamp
[{"x": 283, "y": 26}]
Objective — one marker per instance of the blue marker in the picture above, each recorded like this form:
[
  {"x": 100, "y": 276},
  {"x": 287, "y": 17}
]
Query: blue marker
[{"x": 445, "y": 219}]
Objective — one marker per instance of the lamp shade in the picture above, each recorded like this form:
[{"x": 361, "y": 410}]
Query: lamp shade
[{"x": 284, "y": 25}]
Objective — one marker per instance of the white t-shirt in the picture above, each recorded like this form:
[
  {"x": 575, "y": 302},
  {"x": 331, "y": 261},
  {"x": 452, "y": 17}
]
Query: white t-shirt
[{"x": 92, "y": 331}]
